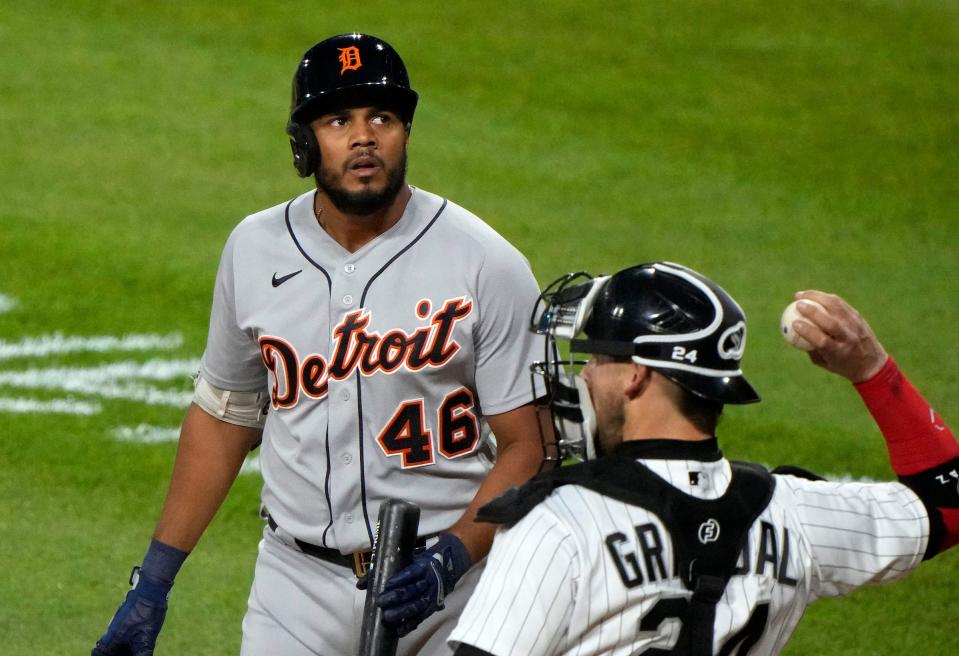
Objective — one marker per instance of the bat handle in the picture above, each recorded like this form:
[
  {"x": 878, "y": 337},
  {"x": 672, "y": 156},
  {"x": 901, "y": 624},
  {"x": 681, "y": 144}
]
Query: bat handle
[{"x": 396, "y": 529}]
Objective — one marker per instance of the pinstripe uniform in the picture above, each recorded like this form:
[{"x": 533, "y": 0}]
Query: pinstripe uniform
[
  {"x": 382, "y": 364},
  {"x": 585, "y": 574}
]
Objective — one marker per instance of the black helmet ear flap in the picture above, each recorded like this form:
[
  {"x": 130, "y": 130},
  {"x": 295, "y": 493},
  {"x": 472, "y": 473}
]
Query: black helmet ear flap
[{"x": 306, "y": 151}]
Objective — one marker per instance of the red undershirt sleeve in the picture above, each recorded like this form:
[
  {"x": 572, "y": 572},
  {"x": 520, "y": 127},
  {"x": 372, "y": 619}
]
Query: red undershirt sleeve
[{"x": 922, "y": 449}]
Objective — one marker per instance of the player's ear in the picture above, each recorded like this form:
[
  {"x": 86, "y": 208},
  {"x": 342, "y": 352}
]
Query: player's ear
[{"x": 639, "y": 377}]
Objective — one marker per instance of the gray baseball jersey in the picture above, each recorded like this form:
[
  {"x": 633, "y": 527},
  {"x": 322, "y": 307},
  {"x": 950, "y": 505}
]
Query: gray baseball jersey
[
  {"x": 381, "y": 363},
  {"x": 585, "y": 574}
]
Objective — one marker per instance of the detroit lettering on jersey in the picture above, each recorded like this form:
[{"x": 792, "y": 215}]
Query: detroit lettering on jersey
[{"x": 369, "y": 352}]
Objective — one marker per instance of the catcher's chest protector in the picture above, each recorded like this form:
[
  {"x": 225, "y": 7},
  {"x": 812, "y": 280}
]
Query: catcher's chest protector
[{"x": 707, "y": 535}]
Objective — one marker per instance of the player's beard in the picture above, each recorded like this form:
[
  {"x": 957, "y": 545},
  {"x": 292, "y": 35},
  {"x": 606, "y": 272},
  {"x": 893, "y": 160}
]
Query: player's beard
[
  {"x": 610, "y": 419},
  {"x": 366, "y": 201}
]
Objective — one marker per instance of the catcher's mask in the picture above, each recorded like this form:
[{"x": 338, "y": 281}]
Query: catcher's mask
[
  {"x": 662, "y": 315},
  {"x": 347, "y": 70}
]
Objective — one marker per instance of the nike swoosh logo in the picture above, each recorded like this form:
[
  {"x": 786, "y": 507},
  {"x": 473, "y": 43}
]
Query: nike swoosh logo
[{"x": 279, "y": 281}]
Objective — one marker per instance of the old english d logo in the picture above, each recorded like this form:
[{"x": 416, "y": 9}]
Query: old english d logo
[{"x": 350, "y": 59}]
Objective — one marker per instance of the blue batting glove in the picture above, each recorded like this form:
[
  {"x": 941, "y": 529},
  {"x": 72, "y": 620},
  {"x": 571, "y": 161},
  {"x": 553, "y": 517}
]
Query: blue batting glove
[
  {"x": 134, "y": 628},
  {"x": 136, "y": 624},
  {"x": 419, "y": 590}
]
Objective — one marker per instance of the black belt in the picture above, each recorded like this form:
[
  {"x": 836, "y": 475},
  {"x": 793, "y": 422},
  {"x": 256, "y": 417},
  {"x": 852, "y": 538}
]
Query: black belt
[{"x": 359, "y": 561}]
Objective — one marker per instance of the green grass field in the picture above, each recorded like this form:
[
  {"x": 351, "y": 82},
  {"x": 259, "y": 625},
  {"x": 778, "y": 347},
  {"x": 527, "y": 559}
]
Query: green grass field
[{"x": 773, "y": 145}]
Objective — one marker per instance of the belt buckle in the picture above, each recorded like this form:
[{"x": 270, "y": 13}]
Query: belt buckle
[{"x": 361, "y": 563}]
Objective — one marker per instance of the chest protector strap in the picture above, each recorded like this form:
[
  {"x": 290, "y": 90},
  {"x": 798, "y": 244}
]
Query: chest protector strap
[{"x": 707, "y": 535}]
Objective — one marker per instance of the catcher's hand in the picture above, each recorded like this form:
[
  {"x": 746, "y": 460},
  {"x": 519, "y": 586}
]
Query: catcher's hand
[
  {"x": 136, "y": 624},
  {"x": 417, "y": 591}
]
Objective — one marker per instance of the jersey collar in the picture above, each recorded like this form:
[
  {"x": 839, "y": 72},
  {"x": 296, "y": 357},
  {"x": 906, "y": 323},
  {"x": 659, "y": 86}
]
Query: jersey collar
[{"x": 666, "y": 449}]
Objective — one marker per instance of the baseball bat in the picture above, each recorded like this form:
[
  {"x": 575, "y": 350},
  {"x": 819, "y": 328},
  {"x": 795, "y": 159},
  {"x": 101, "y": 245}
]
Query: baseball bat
[{"x": 393, "y": 545}]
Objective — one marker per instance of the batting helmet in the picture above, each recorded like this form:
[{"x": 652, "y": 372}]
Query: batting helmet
[{"x": 342, "y": 71}]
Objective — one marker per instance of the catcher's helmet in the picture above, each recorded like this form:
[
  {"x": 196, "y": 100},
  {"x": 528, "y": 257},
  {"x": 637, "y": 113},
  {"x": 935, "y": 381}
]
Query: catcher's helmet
[
  {"x": 663, "y": 315},
  {"x": 344, "y": 70},
  {"x": 677, "y": 321}
]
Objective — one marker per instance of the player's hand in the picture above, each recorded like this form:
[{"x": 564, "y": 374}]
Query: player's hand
[
  {"x": 843, "y": 342},
  {"x": 134, "y": 628},
  {"x": 417, "y": 591}
]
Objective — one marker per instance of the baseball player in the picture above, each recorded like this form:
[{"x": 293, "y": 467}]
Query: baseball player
[
  {"x": 661, "y": 545},
  {"x": 371, "y": 337}
]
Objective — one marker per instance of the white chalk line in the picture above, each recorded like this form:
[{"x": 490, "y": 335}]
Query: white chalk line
[
  {"x": 54, "y": 406},
  {"x": 7, "y": 303},
  {"x": 111, "y": 380},
  {"x": 107, "y": 381},
  {"x": 148, "y": 434},
  {"x": 251, "y": 465},
  {"x": 101, "y": 380},
  {"x": 58, "y": 343}
]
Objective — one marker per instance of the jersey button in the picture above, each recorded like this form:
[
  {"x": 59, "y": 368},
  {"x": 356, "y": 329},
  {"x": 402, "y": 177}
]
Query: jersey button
[
  {"x": 347, "y": 458},
  {"x": 348, "y": 517},
  {"x": 350, "y": 268},
  {"x": 345, "y": 395},
  {"x": 348, "y": 300}
]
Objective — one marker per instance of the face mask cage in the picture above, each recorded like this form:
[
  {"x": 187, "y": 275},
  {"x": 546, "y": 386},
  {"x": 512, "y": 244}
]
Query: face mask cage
[{"x": 561, "y": 312}]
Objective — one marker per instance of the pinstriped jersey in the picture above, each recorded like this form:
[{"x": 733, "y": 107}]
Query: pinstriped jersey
[
  {"x": 585, "y": 574},
  {"x": 381, "y": 364}
]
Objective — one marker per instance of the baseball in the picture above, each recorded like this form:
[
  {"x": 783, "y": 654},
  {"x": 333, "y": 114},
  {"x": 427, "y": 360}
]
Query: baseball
[{"x": 791, "y": 314}]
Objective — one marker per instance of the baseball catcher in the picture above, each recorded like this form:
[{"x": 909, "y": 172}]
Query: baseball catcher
[{"x": 658, "y": 544}]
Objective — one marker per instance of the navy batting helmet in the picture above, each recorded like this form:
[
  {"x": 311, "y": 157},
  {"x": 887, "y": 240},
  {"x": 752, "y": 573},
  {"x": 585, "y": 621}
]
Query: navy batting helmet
[{"x": 343, "y": 71}]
